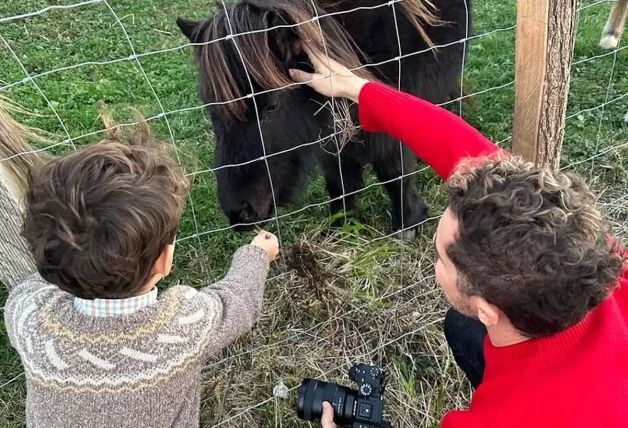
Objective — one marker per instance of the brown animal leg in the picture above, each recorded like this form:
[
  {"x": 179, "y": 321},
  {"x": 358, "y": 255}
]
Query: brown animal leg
[{"x": 615, "y": 25}]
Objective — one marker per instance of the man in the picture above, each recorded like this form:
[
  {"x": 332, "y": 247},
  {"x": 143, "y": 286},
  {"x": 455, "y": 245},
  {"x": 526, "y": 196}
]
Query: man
[{"x": 540, "y": 308}]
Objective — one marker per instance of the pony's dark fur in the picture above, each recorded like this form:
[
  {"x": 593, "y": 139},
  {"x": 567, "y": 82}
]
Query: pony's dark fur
[{"x": 291, "y": 118}]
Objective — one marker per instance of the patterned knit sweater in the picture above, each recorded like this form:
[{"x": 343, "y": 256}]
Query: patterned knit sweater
[{"x": 136, "y": 370}]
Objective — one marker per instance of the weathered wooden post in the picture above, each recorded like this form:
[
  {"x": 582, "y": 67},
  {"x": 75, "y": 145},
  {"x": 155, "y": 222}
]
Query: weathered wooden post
[
  {"x": 15, "y": 164},
  {"x": 546, "y": 31}
]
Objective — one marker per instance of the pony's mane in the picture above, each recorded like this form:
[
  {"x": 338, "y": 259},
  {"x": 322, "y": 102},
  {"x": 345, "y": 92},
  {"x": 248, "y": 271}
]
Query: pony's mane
[
  {"x": 420, "y": 13},
  {"x": 18, "y": 156},
  {"x": 250, "y": 20},
  {"x": 220, "y": 55}
]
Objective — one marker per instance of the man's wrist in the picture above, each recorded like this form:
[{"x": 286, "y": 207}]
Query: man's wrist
[{"x": 354, "y": 87}]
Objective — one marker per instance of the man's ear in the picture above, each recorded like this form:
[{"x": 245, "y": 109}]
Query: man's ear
[
  {"x": 487, "y": 313},
  {"x": 190, "y": 29}
]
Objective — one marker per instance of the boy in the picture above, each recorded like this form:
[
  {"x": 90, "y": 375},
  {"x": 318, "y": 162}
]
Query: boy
[{"x": 99, "y": 347}]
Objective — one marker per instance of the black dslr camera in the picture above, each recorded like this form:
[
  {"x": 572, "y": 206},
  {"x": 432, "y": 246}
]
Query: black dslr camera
[{"x": 361, "y": 408}]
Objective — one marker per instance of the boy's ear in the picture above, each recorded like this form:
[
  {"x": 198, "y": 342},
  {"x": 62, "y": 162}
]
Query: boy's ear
[
  {"x": 163, "y": 265},
  {"x": 189, "y": 28}
]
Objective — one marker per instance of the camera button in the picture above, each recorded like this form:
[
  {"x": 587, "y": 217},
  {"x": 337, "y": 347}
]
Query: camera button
[
  {"x": 366, "y": 389},
  {"x": 365, "y": 410}
]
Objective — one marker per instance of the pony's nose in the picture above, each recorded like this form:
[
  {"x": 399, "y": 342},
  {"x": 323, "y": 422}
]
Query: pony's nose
[{"x": 246, "y": 218}]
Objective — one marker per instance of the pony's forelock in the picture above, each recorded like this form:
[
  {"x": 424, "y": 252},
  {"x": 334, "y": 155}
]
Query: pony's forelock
[
  {"x": 219, "y": 52},
  {"x": 236, "y": 45}
]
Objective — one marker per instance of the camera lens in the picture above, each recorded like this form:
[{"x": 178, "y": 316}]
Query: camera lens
[{"x": 313, "y": 393}]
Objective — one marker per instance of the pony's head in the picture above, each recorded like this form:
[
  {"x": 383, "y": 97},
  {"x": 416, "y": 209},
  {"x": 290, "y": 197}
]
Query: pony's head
[{"x": 244, "y": 53}]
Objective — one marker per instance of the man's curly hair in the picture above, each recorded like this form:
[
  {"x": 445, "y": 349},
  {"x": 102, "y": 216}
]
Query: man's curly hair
[
  {"x": 97, "y": 219},
  {"x": 532, "y": 242}
]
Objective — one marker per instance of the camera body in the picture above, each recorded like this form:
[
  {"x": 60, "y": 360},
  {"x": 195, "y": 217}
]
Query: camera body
[
  {"x": 361, "y": 408},
  {"x": 369, "y": 410}
]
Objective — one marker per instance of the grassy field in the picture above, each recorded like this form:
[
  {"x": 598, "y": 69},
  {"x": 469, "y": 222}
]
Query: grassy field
[{"x": 356, "y": 296}]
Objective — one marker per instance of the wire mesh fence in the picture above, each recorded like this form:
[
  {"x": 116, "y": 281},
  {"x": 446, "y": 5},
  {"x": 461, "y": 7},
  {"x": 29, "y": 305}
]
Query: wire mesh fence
[{"x": 363, "y": 296}]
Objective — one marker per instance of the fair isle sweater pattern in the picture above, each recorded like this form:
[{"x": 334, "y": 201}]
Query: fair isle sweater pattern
[
  {"x": 115, "y": 361},
  {"x": 136, "y": 370},
  {"x": 152, "y": 356}
]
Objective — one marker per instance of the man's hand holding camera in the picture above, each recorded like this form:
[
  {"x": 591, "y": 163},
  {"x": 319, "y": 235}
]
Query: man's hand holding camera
[
  {"x": 363, "y": 407},
  {"x": 327, "y": 421}
]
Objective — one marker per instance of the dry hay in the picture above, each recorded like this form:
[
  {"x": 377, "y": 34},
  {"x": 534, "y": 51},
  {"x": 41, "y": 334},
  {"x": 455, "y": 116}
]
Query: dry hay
[{"x": 341, "y": 300}]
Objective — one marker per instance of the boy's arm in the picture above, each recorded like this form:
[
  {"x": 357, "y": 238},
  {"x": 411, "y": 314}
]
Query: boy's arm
[
  {"x": 437, "y": 136},
  {"x": 241, "y": 293}
]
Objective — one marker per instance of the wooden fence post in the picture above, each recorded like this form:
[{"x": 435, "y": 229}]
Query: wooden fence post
[{"x": 546, "y": 31}]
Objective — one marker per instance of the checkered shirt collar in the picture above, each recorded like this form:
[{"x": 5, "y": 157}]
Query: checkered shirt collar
[{"x": 114, "y": 307}]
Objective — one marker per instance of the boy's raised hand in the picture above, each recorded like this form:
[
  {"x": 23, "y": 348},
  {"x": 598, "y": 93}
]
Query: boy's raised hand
[{"x": 268, "y": 242}]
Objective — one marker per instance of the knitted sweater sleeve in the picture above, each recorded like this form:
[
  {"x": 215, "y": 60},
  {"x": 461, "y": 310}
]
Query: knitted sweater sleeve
[
  {"x": 23, "y": 299},
  {"x": 438, "y": 137},
  {"x": 241, "y": 294}
]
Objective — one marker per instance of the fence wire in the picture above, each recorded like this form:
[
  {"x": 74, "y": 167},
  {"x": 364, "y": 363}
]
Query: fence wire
[{"x": 136, "y": 58}]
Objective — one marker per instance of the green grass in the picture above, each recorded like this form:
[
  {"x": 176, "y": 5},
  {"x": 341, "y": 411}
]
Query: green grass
[{"x": 336, "y": 298}]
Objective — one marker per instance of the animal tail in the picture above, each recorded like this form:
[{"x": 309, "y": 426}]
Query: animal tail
[{"x": 17, "y": 157}]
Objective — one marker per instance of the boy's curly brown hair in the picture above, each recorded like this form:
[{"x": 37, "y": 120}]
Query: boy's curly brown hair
[
  {"x": 97, "y": 219},
  {"x": 532, "y": 242}
]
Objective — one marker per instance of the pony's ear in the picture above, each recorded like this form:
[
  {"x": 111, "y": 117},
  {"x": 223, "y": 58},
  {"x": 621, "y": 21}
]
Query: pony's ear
[{"x": 190, "y": 29}]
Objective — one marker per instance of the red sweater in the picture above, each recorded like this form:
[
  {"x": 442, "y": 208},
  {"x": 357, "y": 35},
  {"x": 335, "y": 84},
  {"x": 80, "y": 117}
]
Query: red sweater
[{"x": 577, "y": 378}]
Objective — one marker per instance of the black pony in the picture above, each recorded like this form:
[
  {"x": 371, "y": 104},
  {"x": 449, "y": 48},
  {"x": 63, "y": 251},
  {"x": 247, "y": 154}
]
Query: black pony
[{"x": 298, "y": 127}]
